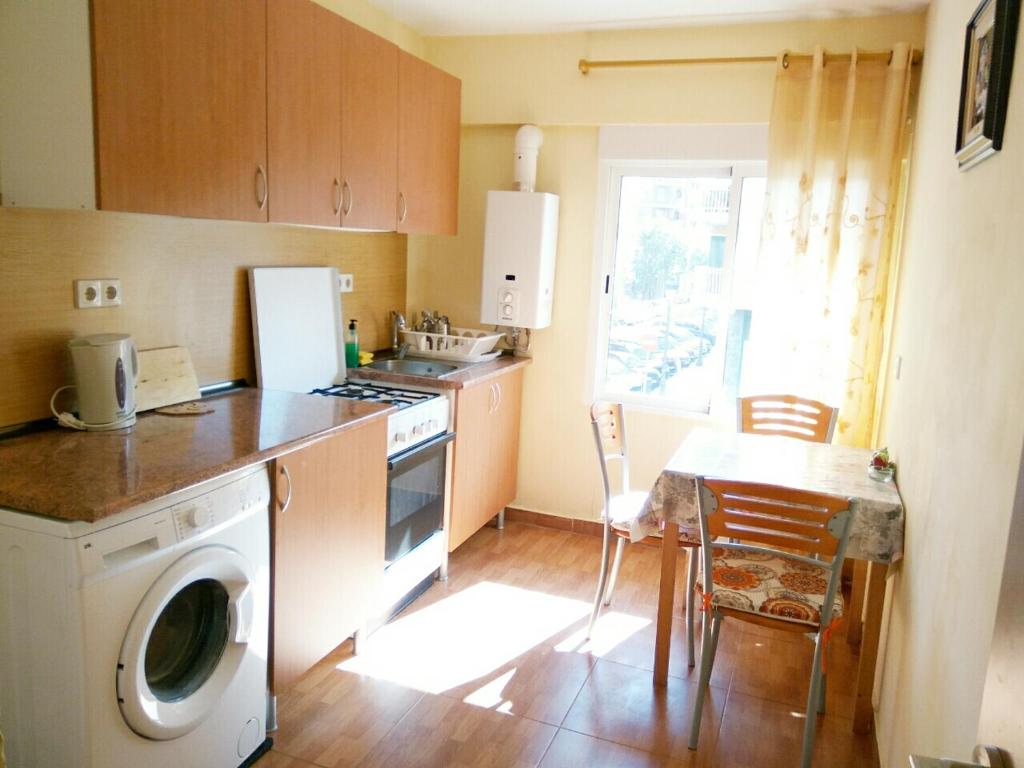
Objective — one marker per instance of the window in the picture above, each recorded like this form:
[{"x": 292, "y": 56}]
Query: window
[{"x": 678, "y": 260}]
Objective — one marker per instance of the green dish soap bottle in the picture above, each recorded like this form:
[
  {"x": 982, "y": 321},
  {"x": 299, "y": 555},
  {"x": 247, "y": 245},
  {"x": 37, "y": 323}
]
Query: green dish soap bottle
[{"x": 352, "y": 346}]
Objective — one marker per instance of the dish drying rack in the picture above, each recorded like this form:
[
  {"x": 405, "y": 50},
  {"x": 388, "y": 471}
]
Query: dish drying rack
[{"x": 467, "y": 345}]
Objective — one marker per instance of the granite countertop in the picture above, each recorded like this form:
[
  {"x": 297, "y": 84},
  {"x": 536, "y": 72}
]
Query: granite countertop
[
  {"x": 464, "y": 377},
  {"x": 87, "y": 476}
]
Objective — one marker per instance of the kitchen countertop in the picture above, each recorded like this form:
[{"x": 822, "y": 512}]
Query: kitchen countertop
[
  {"x": 87, "y": 476},
  {"x": 464, "y": 377}
]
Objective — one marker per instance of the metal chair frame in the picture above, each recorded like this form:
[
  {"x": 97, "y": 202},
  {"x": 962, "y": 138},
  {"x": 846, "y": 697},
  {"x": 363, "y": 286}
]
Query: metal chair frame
[
  {"x": 611, "y": 446},
  {"x": 733, "y": 512}
]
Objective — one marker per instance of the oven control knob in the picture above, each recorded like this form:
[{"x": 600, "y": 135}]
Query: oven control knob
[
  {"x": 400, "y": 437},
  {"x": 198, "y": 517},
  {"x": 417, "y": 430}
]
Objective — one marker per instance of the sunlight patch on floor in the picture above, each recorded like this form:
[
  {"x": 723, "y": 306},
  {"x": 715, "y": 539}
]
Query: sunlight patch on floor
[
  {"x": 473, "y": 633},
  {"x": 611, "y": 629}
]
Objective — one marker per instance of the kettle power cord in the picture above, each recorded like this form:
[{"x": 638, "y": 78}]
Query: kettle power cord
[{"x": 69, "y": 420}]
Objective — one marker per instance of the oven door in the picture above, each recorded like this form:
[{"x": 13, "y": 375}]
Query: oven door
[{"x": 416, "y": 481}]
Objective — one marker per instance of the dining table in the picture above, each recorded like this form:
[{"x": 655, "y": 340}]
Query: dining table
[{"x": 875, "y": 539}]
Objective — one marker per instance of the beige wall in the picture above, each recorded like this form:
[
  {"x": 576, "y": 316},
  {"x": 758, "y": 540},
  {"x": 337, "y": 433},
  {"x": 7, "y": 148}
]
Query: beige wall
[
  {"x": 510, "y": 80},
  {"x": 183, "y": 281},
  {"x": 955, "y": 418}
]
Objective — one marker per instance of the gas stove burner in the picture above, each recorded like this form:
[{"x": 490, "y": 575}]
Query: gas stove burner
[{"x": 375, "y": 393}]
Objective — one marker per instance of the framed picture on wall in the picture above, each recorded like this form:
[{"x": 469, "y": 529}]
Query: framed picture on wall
[{"x": 985, "y": 84}]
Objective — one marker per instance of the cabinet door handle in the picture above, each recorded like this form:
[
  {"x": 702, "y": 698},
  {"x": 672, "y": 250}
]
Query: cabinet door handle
[
  {"x": 287, "y": 499},
  {"x": 497, "y": 396},
  {"x": 261, "y": 186},
  {"x": 336, "y": 205},
  {"x": 403, "y": 207},
  {"x": 346, "y": 187},
  {"x": 492, "y": 400}
]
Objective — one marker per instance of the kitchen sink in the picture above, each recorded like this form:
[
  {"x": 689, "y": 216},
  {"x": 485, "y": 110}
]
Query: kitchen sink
[{"x": 413, "y": 367}]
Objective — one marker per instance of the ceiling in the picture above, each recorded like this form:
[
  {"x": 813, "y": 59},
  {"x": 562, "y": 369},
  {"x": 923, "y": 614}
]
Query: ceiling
[{"x": 491, "y": 17}]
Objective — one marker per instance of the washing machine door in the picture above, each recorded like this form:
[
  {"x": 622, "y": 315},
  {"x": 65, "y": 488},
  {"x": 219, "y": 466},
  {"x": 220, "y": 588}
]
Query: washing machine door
[{"x": 185, "y": 642}]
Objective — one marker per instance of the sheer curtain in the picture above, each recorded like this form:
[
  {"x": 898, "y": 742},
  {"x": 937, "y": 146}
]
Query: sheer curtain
[{"x": 837, "y": 140}]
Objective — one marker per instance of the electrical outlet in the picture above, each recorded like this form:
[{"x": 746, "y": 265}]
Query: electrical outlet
[
  {"x": 110, "y": 292},
  {"x": 345, "y": 283},
  {"x": 87, "y": 294}
]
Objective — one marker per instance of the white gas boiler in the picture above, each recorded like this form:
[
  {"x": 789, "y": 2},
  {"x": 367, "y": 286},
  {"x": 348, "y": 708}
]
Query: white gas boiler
[
  {"x": 519, "y": 259},
  {"x": 520, "y": 238}
]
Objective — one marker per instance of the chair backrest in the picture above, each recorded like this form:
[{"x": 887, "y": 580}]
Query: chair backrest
[
  {"x": 609, "y": 428},
  {"x": 773, "y": 516},
  {"x": 754, "y": 517},
  {"x": 787, "y": 415}
]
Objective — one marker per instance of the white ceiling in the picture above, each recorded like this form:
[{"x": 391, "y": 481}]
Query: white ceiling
[{"x": 491, "y": 17}]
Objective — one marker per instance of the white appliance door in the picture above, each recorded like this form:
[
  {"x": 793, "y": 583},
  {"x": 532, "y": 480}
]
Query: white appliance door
[
  {"x": 297, "y": 327},
  {"x": 185, "y": 643}
]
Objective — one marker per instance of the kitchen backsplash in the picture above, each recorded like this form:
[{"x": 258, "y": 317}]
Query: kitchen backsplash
[{"x": 183, "y": 282}]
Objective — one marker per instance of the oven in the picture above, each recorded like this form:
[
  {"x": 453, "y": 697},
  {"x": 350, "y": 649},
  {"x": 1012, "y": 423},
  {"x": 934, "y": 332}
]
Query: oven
[{"x": 417, "y": 482}]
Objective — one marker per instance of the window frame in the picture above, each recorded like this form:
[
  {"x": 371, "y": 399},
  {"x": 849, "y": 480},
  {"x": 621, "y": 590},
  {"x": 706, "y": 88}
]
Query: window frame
[{"x": 610, "y": 175}]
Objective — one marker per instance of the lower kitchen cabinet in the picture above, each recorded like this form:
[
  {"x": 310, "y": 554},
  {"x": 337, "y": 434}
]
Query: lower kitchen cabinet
[
  {"x": 327, "y": 546},
  {"x": 486, "y": 458}
]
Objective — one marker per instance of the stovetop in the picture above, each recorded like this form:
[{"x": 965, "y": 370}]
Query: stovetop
[{"x": 377, "y": 393}]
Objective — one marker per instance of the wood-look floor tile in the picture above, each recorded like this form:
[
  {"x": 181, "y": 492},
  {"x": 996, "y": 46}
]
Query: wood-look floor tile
[
  {"x": 637, "y": 649},
  {"x": 277, "y": 760},
  {"x": 621, "y": 703},
  {"x": 541, "y": 685},
  {"x": 577, "y": 750},
  {"x": 338, "y": 721},
  {"x": 440, "y": 732},
  {"x": 775, "y": 668},
  {"x": 767, "y": 734}
]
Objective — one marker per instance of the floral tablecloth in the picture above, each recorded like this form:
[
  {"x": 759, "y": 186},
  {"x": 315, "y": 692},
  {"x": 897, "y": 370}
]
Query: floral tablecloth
[{"x": 877, "y": 532}]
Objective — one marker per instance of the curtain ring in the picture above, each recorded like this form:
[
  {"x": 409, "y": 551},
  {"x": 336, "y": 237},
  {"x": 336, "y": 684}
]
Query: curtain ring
[{"x": 785, "y": 60}]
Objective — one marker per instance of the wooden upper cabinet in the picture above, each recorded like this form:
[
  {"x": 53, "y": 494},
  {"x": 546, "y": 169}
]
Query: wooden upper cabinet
[
  {"x": 180, "y": 107},
  {"x": 369, "y": 129},
  {"x": 304, "y": 63},
  {"x": 429, "y": 105}
]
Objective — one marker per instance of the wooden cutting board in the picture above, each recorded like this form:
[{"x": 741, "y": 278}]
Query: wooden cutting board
[{"x": 166, "y": 377}]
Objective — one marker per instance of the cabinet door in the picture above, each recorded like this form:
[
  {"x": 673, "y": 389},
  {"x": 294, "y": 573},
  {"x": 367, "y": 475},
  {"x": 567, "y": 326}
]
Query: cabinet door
[
  {"x": 471, "y": 485},
  {"x": 369, "y": 129},
  {"x": 505, "y": 449},
  {"x": 429, "y": 103},
  {"x": 328, "y": 546},
  {"x": 304, "y": 62},
  {"x": 181, "y": 107}
]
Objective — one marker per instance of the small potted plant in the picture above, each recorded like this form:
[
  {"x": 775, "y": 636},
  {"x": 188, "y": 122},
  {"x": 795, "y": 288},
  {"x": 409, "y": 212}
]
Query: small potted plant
[{"x": 881, "y": 466}]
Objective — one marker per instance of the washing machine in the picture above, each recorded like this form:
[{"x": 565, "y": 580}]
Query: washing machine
[{"x": 141, "y": 639}]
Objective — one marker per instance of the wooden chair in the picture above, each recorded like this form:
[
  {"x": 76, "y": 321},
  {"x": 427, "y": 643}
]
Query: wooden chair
[
  {"x": 747, "y": 575},
  {"x": 621, "y": 509},
  {"x": 787, "y": 415}
]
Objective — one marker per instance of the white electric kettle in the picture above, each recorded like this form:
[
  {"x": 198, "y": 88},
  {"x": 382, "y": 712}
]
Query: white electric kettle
[{"x": 106, "y": 369}]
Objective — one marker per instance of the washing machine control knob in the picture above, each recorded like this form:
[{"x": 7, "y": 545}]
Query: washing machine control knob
[{"x": 198, "y": 517}]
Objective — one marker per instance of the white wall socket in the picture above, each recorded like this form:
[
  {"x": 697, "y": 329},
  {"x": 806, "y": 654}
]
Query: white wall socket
[
  {"x": 345, "y": 283},
  {"x": 90, "y": 294},
  {"x": 110, "y": 292},
  {"x": 87, "y": 294}
]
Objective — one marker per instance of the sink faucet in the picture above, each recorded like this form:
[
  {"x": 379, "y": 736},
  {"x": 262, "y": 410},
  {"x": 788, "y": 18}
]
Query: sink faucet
[
  {"x": 402, "y": 349},
  {"x": 397, "y": 324}
]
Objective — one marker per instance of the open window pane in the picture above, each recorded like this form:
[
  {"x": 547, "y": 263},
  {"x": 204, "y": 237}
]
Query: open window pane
[{"x": 669, "y": 290}]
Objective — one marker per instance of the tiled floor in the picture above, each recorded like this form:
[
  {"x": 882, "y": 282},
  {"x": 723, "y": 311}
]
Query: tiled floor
[{"x": 491, "y": 669}]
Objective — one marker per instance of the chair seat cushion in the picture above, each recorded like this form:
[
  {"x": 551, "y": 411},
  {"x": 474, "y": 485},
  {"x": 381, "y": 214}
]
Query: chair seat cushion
[
  {"x": 625, "y": 509},
  {"x": 773, "y": 584}
]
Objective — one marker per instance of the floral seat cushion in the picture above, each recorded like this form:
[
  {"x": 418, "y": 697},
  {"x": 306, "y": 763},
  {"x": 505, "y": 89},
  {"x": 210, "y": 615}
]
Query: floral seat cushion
[{"x": 772, "y": 584}]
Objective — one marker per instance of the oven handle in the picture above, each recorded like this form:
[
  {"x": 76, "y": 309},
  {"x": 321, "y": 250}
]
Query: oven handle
[{"x": 396, "y": 461}]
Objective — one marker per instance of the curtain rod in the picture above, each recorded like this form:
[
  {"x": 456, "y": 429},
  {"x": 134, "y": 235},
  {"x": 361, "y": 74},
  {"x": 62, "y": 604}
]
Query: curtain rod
[{"x": 587, "y": 64}]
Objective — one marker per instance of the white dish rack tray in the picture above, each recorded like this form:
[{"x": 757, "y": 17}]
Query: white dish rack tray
[{"x": 467, "y": 345}]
